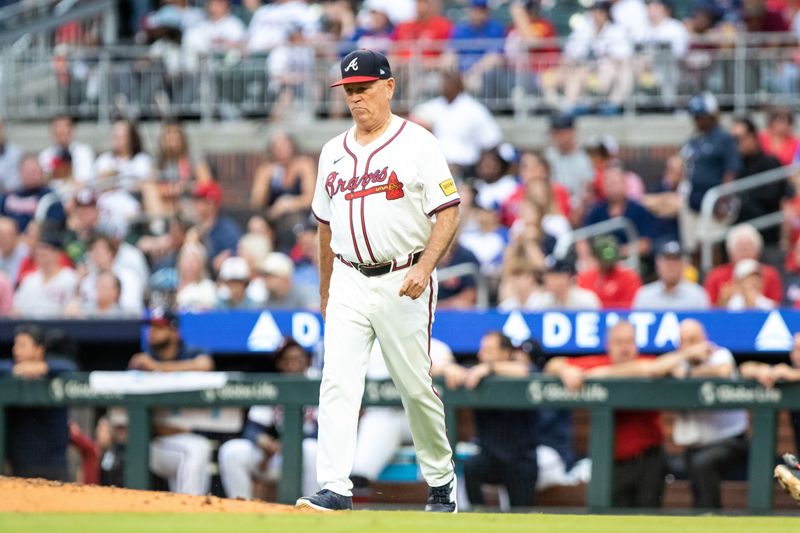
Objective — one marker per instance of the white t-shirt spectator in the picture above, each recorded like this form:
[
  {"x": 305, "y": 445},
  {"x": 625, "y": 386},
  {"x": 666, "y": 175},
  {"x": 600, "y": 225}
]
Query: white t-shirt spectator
[
  {"x": 577, "y": 298},
  {"x": 9, "y": 166},
  {"x": 9, "y": 265},
  {"x": 493, "y": 195},
  {"x": 37, "y": 298},
  {"x": 670, "y": 31},
  {"x": 586, "y": 42},
  {"x": 290, "y": 60},
  {"x": 131, "y": 298},
  {"x": 464, "y": 127},
  {"x": 397, "y": 10},
  {"x": 82, "y": 160},
  {"x": 631, "y": 15},
  {"x": 198, "y": 296},
  {"x": 116, "y": 209},
  {"x": 699, "y": 428},
  {"x": 271, "y": 24},
  {"x": 214, "y": 35},
  {"x": 129, "y": 173},
  {"x": 737, "y": 303}
]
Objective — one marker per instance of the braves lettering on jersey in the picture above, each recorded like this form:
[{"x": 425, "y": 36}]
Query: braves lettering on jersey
[{"x": 379, "y": 198}]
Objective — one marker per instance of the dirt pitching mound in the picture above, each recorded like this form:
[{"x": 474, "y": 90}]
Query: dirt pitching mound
[{"x": 40, "y": 496}]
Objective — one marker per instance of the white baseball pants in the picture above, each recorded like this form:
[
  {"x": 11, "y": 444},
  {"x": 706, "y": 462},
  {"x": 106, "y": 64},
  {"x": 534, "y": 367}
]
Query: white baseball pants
[
  {"x": 240, "y": 461},
  {"x": 359, "y": 310},
  {"x": 183, "y": 460},
  {"x": 381, "y": 432}
]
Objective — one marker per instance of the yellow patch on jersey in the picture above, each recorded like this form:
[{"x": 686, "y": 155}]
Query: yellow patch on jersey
[{"x": 448, "y": 186}]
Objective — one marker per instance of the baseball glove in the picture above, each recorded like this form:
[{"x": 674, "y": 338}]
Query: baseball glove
[{"x": 785, "y": 474}]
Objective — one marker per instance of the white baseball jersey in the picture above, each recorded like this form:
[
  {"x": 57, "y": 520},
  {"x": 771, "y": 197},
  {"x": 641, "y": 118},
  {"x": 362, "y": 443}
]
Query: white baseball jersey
[{"x": 379, "y": 198}]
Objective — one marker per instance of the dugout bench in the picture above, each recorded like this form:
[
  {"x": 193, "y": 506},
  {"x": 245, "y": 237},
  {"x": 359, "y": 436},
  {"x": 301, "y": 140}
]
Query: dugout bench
[{"x": 601, "y": 398}]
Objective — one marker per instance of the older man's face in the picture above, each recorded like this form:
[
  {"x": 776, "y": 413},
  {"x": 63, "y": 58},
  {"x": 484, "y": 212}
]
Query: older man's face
[{"x": 369, "y": 101}]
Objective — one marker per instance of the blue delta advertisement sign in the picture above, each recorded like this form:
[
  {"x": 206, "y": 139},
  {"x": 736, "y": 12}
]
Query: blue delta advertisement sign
[{"x": 560, "y": 332}]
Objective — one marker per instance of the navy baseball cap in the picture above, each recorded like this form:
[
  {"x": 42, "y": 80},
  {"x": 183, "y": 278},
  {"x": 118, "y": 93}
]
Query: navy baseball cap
[
  {"x": 671, "y": 249},
  {"x": 364, "y": 65}
]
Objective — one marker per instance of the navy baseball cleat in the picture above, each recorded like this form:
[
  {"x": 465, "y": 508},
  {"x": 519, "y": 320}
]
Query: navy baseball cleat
[
  {"x": 442, "y": 499},
  {"x": 326, "y": 500}
]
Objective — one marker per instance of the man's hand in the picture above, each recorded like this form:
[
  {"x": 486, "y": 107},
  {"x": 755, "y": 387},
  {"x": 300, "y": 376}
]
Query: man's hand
[
  {"x": 454, "y": 375},
  {"x": 572, "y": 377},
  {"x": 415, "y": 282},
  {"x": 476, "y": 374},
  {"x": 30, "y": 369},
  {"x": 699, "y": 353},
  {"x": 142, "y": 361}
]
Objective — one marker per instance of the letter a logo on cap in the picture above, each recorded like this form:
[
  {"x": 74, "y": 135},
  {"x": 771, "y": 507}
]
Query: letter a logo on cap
[{"x": 353, "y": 65}]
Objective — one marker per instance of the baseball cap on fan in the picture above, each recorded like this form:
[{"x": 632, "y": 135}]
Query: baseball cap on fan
[{"x": 364, "y": 65}]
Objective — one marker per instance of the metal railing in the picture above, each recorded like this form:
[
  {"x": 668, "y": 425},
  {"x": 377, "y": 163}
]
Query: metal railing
[
  {"x": 470, "y": 270},
  {"x": 565, "y": 241},
  {"x": 709, "y": 237},
  {"x": 45, "y": 24},
  {"x": 745, "y": 71}
]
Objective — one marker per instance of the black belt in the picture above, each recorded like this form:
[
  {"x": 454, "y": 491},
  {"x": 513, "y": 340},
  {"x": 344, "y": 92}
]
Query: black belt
[{"x": 379, "y": 269}]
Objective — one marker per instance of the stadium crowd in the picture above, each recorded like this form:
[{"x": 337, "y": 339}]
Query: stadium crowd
[{"x": 94, "y": 232}]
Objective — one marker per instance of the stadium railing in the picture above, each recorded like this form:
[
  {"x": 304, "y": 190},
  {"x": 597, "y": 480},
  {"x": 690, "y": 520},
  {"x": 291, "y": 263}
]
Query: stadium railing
[
  {"x": 744, "y": 71},
  {"x": 709, "y": 237},
  {"x": 601, "y": 398}
]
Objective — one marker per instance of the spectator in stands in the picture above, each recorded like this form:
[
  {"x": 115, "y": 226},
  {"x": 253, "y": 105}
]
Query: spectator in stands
[
  {"x": 106, "y": 304},
  {"x": 305, "y": 255},
  {"x": 487, "y": 240},
  {"x": 758, "y": 17},
  {"x": 763, "y": 200},
  {"x": 551, "y": 198},
  {"x": 271, "y": 23},
  {"x": 746, "y": 290},
  {"x": 284, "y": 186},
  {"x": 663, "y": 29},
  {"x": 742, "y": 242},
  {"x": 218, "y": 33},
  {"x": 36, "y": 437},
  {"x": 13, "y": 249},
  {"x": 10, "y": 156},
  {"x": 457, "y": 292},
  {"x": 102, "y": 256},
  {"x": 177, "y": 167},
  {"x": 639, "y": 458},
  {"x": 218, "y": 233},
  {"x": 569, "y": 163},
  {"x": 530, "y": 241},
  {"x": 374, "y": 31},
  {"x": 768, "y": 375},
  {"x": 258, "y": 453},
  {"x": 171, "y": 21},
  {"x": 631, "y": 15},
  {"x": 66, "y": 158},
  {"x": 462, "y": 124},
  {"x": 518, "y": 285},
  {"x": 196, "y": 291},
  {"x": 277, "y": 271},
  {"x": 126, "y": 164},
  {"x": 475, "y": 60},
  {"x": 716, "y": 440},
  {"x": 560, "y": 290},
  {"x": 603, "y": 150},
  {"x": 290, "y": 70},
  {"x": 33, "y": 199},
  {"x": 671, "y": 291},
  {"x": 46, "y": 291},
  {"x": 162, "y": 250},
  {"x": 397, "y": 10},
  {"x": 792, "y": 277},
  {"x": 665, "y": 203},
  {"x": 507, "y": 439},
  {"x": 598, "y": 49},
  {"x": 614, "y": 284},
  {"x": 778, "y": 138},
  {"x": 528, "y": 46},
  {"x": 176, "y": 454},
  {"x": 616, "y": 204},
  {"x": 427, "y": 32},
  {"x": 254, "y": 248},
  {"x": 493, "y": 184},
  {"x": 234, "y": 276},
  {"x": 711, "y": 158},
  {"x": 338, "y": 21}
]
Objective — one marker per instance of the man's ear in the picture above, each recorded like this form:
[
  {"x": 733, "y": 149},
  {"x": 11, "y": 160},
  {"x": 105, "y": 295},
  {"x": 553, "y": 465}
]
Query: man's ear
[{"x": 390, "y": 88}]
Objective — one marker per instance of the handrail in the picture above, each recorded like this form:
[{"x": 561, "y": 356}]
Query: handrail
[
  {"x": 601, "y": 228},
  {"x": 62, "y": 14},
  {"x": 467, "y": 269},
  {"x": 715, "y": 194}
]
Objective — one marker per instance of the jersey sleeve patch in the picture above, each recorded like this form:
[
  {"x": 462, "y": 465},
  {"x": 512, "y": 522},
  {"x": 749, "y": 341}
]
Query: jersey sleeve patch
[{"x": 448, "y": 186}]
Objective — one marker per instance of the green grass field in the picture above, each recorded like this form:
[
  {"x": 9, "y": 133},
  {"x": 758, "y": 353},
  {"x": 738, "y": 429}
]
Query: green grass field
[{"x": 388, "y": 522}]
